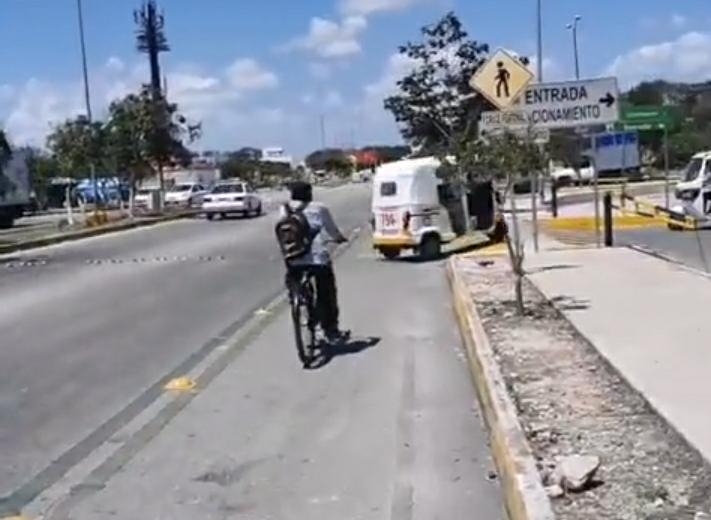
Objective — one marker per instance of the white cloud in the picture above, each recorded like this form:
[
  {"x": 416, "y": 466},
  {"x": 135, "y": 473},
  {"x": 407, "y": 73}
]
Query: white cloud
[
  {"x": 329, "y": 39},
  {"x": 247, "y": 74},
  {"x": 686, "y": 58},
  {"x": 307, "y": 99},
  {"x": 31, "y": 109},
  {"x": 320, "y": 70},
  {"x": 552, "y": 71},
  {"x": 333, "y": 99},
  {"x": 366, "y": 7},
  {"x": 115, "y": 64},
  {"x": 678, "y": 21}
]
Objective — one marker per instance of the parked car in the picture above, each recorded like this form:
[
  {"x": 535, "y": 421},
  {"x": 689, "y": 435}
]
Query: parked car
[
  {"x": 143, "y": 199},
  {"x": 185, "y": 195},
  {"x": 232, "y": 198}
]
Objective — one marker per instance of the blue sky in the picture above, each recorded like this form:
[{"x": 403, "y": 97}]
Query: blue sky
[{"x": 262, "y": 73}]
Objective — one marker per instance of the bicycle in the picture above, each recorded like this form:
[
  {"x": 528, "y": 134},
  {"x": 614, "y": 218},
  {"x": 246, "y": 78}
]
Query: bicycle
[
  {"x": 302, "y": 300},
  {"x": 304, "y": 315}
]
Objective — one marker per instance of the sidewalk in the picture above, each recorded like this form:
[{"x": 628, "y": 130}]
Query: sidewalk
[
  {"x": 389, "y": 428},
  {"x": 648, "y": 318}
]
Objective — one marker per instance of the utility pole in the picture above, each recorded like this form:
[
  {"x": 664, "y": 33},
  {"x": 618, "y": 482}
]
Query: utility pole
[
  {"x": 87, "y": 101},
  {"x": 540, "y": 42},
  {"x": 574, "y": 28},
  {"x": 323, "y": 132}
]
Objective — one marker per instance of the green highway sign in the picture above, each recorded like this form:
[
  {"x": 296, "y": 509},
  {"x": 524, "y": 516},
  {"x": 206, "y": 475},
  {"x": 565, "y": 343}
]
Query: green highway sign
[{"x": 646, "y": 117}]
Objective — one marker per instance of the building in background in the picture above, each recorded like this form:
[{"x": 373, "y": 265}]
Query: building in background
[{"x": 277, "y": 155}]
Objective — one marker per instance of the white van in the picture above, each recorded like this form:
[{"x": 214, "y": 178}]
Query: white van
[{"x": 406, "y": 210}]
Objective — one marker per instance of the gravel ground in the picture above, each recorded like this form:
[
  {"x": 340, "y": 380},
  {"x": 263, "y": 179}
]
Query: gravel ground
[{"x": 571, "y": 402}]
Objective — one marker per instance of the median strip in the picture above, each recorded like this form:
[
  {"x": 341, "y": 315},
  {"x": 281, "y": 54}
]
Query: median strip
[{"x": 57, "y": 238}]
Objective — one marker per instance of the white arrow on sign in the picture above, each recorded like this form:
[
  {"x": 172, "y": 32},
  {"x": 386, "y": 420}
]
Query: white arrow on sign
[{"x": 560, "y": 105}]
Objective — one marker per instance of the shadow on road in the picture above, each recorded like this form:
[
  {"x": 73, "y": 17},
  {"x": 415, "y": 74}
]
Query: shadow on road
[
  {"x": 555, "y": 267},
  {"x": 353, "y": 346},
  {"x": 570, "y": 303},
  {"x": 468, "y": 248}
]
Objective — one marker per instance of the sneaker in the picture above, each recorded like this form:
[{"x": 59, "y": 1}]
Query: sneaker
[{"x": 337, "y": 336}]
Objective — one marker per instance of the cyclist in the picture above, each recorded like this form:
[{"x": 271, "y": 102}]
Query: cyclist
[{"x": 317, "y": 259}]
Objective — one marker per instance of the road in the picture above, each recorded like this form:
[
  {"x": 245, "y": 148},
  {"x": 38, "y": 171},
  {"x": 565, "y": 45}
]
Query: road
[
  {"x": 692, "y": 248},
  {"x": 95, "y": 328}
]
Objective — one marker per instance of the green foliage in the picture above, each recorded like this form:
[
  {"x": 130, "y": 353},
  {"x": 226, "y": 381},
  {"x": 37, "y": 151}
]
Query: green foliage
[
  {"x": 42, "y": 168},
  {"x": 76, "y": 144},
  {"x": 434, "y": 102},
  {"x": 341, "y": 166},
  {"x": 140, "y": 134},
  {"x": 237, "y": 167}
]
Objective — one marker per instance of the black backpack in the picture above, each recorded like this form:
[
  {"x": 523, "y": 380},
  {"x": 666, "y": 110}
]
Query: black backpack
[{"x": 293, "y": 233}]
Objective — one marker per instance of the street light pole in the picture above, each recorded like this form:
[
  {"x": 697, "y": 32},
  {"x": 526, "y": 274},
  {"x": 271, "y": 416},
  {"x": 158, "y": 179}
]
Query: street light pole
[
  {"x": 540, "y": 42},
  {"x": 87, "y": 97},
  {"x": 574, "y": 28}
]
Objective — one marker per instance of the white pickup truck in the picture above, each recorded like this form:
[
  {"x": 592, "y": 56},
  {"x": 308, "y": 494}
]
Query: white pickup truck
[{"x": 566, "y": 175}]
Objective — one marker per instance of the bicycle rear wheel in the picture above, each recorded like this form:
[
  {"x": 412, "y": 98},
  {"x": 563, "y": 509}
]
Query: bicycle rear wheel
[{"x": 302, "y": 313}]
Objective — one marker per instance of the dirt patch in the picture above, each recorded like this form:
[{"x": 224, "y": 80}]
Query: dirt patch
[{"x": 571, "y": 402}]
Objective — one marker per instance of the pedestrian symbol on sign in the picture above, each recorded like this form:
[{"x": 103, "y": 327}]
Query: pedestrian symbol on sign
[{"x": 502, "y": 80}]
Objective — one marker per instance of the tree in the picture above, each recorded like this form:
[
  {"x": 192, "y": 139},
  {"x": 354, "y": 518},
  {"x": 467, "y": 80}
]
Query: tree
[
  {"x": 647, "y": 93},
  {"x": 151, "y": 40},
  {"x": 237, "y": 167},
  {"x": 319, "y": 159},
  {"x": 127, "y": 133},
  {"x": 42, "y": 168},
  {"x": 144, "y": 134},
  {"x": 341, "y": 166},
  {"x": 76, "y": 144},
  {"x": 504, "y": 160},
  {"x": 434, "y": 101}
]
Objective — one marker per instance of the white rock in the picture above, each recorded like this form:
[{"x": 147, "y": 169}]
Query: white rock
[
  {"x": 555, "y": 491},
  {"x": 702, "y": 516},
  {"x": 577, "y": 470}
]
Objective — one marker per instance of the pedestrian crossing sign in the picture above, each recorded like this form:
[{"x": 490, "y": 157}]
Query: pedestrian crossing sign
[{"x": 501, "y": 79}]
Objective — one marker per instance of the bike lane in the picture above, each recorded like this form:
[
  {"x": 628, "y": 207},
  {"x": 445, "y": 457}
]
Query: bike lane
[{"x": 388, "y": 428}]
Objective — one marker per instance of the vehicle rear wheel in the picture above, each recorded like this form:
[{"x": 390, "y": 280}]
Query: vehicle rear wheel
[
  {"x": 209, "y": 216},
  {"x": 223, "y": 216},
  {"x": 391, "y": 253},
  {"x": 259, "y": 210},
  {"x": 6, "y": 222},
  {"x": 431, "y": 248}
]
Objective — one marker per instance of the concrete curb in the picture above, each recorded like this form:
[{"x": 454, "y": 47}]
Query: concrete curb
[
  {"x": 524, "y": 496},
  {"x": 88, "y": 233}
]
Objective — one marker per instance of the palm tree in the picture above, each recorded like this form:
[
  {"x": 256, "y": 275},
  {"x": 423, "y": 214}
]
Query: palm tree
[{"x": 151, "y": 39}]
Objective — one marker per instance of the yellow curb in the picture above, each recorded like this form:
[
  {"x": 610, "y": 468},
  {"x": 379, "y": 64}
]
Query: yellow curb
[
  {"x": 524, "y": 496},
  {"x": 491, "y": 250},
  {"x": 588, "y": 223},
  {"x": 181, "y": 384}
]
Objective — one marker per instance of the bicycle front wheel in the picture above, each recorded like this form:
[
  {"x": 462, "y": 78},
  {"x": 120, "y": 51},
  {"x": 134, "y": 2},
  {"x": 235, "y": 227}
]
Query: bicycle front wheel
[{"x": 300, "y": 331}]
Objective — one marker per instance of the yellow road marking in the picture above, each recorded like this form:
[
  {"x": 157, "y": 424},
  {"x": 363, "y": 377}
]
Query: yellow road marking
[
  {"x": 492, "y": 250},
  {"x": 181, "y": 384},
  {"x": 627, "y": 221}
]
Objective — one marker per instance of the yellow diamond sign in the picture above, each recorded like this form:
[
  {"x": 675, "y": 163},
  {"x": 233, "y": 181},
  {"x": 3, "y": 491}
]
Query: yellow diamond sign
[{"x": 501, "y": 79}]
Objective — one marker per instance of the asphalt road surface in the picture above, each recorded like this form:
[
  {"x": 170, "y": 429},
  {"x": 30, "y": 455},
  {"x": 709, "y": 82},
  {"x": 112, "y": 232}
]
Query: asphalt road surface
[
  {"x": 692, "y": 248},
  {"x": 94, "y": 329}
]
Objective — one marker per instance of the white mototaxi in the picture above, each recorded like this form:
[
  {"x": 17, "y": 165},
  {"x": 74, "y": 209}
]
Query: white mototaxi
[{"x": 693, "y": 192}]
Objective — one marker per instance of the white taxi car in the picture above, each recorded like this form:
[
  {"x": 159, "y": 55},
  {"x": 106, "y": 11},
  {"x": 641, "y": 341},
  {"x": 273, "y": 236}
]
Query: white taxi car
[{"x": 232, "y": 198}]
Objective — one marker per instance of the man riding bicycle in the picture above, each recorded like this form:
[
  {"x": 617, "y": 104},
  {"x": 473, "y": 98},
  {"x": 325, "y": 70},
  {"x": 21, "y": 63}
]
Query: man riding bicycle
[{"x": 314, "y": 257}]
